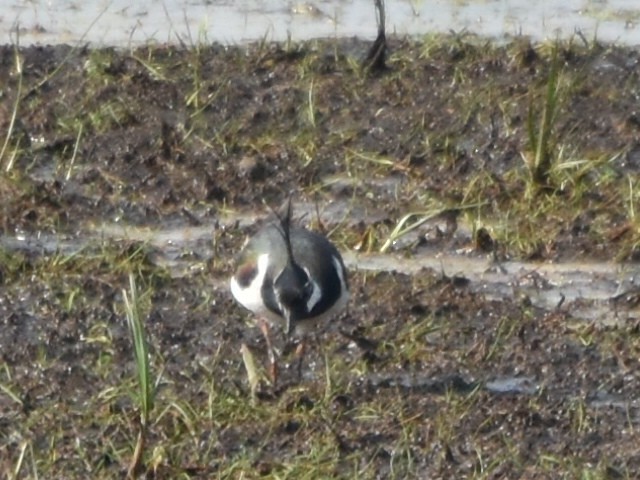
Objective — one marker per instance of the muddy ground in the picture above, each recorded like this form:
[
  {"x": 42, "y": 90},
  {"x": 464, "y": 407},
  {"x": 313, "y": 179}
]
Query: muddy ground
[{"x": 429, "y": 377}]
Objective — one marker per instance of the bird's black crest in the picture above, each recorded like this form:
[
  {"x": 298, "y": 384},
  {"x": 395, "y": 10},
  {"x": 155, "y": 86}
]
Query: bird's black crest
[{"x": 284, "y": 226}]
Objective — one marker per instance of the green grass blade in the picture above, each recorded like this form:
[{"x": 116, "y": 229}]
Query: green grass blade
[{"x": 141, "y": 351}]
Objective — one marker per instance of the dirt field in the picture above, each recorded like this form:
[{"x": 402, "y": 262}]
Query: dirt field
[{"x": 510, "y": 154}]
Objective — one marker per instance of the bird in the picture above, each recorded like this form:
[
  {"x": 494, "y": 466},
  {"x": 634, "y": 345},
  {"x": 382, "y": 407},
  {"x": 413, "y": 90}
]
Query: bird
[{"x": 292, "y": 277}]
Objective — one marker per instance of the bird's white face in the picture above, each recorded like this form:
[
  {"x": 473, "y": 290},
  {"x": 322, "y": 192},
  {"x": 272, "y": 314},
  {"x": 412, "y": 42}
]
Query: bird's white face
[
  {"x": 312, "y": 293},
  {"x": 320, "y": 320},
  {"x": 297, "y": 304},
  {"x": 294, "y": 291}
]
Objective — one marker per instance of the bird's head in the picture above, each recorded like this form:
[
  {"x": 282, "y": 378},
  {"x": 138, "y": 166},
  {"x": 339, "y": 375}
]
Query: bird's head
[{"x": 292, "y": 290}]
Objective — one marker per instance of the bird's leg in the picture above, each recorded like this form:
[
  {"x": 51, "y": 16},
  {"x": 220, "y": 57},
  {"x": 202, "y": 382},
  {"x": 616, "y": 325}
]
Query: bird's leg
[
  {"x": 273, "y": 366},
  {"x": 299, "y": 355}
]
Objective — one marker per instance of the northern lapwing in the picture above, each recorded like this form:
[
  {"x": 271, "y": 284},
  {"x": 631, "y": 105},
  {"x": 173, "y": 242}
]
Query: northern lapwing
[{"x": 292, "y": 277}]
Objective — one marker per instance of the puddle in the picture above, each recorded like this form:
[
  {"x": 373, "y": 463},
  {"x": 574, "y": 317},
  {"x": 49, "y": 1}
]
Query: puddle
[
  {"x": 454, "y": 383},
  {"x": 592, "y": 291},
  {"x": 422, "y": 383},
  {"x": 607, "y": 400},
  {"x": 121, "y": 23},
  {"x": 521, "y": 385},
  {"x": 527, "y": 386}
]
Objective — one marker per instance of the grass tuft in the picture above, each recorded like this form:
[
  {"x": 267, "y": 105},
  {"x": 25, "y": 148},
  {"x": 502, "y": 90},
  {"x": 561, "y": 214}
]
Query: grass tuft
[
  {"x": 14, "y": 114},
  {"x": 541, "y": 138},
  {"x": 146, "y": 387}
]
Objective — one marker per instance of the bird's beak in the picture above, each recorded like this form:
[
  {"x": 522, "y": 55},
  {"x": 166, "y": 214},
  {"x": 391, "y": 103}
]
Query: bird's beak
[{"x": 290, "y": 321}]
